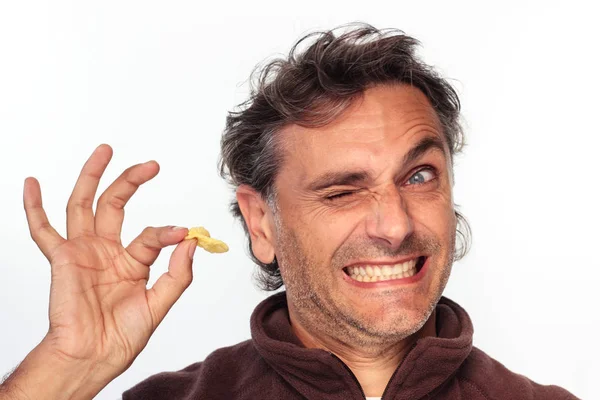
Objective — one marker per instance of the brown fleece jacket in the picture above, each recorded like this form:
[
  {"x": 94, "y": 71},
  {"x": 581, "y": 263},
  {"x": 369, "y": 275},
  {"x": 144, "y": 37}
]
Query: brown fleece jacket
[{"x": 275, "y": 365}]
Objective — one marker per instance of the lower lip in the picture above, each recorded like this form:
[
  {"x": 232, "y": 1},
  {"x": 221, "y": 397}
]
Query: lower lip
[{"x": 392, "y": 282}]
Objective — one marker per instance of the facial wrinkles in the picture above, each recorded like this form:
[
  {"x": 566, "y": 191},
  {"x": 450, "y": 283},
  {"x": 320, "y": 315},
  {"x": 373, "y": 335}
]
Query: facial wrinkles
[
  {"x": 373, "y": 125},
  {"x": 383, "y": 193},
  {"x": 413, "y": 244},
  {"x": 311, "y": 292},
  {"x": 379, "y": 154},
  {"x": 381, "y": 157},
  {"x": 370, "y": 128},
  {"x": 310, "y": 268}
]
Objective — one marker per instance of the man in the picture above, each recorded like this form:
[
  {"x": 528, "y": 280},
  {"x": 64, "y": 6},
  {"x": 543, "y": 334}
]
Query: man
[{"x": 342, "y": 164}]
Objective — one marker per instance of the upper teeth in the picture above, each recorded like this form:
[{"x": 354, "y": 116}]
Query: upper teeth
[{"x": 383, "y": 270}]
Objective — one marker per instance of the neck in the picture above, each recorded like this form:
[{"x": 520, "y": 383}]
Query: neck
[{"x": 372, "y": 366}]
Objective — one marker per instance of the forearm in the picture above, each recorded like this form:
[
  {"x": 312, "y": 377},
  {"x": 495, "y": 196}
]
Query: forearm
[{"x": 43, "y": 376}]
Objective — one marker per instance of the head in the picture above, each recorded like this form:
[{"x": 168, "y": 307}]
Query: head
[{"x": 341, "y": 157}]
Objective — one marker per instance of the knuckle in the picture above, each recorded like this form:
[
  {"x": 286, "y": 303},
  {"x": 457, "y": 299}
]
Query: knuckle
[
  {"x": 181, "y": 280},
  {"x": 147, "y": 243},
  {"x": 44, "y": 226},
  {"x": 115, "y": 201},
  {"x": 151, "y": 231},
  {"x": 187, "y": 276},
  {"x": 185, "y": 280},
  {"x": 127, "y": 171},
  {"x": 129, "y": 178},
  {"x": 95, "y": 175},
  {"x": 148, "y": 231},
  {"x": 102, "y": 199},
  {"x": 79, "y": 204},
  {"x": 36, "y": 231},
  {"x": 148, "y": 238}
]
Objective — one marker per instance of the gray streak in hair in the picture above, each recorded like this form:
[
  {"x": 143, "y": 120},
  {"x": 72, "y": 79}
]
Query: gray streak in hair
[{"x": 310, "y": 88}]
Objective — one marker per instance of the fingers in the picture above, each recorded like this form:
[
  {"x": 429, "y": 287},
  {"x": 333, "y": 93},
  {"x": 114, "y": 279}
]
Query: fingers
[
  {"x": 147, "y": 246},
  {"x": 42, "y": 233},
  {"x": 110, "y": 209},
  {"x": 80, "y": 216},
  {"x": 171, "y": 285}
]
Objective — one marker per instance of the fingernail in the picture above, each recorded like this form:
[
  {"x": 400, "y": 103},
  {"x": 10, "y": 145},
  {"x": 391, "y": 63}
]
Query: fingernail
[
  {"x": 178, "y": 228},
  {"x": 192, "y": 249}
]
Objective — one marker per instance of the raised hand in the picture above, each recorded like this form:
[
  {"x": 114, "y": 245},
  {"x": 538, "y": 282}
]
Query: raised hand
[{"x": 100, "y": 309}]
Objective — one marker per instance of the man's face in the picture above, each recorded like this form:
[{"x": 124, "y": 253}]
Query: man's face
[{"x": 370, "y": 191}]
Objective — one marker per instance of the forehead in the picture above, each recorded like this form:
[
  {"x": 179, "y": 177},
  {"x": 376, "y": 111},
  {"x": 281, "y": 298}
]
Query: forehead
[{"x": 384, "y": 121}]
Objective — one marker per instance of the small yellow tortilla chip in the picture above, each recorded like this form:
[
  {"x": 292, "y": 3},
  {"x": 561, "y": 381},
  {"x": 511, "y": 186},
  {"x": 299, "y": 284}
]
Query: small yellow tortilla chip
[
  {"x": 197, "y": 231},
  {"x": 205, "y": 241}
]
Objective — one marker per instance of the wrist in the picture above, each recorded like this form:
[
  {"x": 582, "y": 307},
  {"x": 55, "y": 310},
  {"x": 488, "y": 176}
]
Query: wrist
[{"x": 44, "y": 374}]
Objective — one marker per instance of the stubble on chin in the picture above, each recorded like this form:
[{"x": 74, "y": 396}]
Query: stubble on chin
[{"x": 312, "y": 305}]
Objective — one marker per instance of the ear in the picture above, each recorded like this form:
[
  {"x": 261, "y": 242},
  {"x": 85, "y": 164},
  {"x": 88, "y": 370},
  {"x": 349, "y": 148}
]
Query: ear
[{"x": 259, "y": 221}]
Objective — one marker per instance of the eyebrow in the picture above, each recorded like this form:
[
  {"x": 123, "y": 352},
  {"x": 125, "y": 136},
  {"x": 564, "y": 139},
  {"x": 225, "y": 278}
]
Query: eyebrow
[{"x": 344, "y": 178}]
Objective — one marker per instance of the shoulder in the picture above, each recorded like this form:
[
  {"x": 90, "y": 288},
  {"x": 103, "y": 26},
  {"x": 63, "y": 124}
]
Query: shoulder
[
  {"x": 222, "y": 373},
  {"x": 494, "y": 381}
]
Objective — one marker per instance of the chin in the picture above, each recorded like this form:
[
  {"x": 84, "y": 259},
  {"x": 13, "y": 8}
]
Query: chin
[{"x": 395, "y": 322}]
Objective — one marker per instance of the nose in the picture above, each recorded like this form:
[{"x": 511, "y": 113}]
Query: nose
[{"x": 389, "y": 220}]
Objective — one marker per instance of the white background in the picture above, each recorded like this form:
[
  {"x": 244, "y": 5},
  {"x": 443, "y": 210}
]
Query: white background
[{"x": 155, "y": 80}]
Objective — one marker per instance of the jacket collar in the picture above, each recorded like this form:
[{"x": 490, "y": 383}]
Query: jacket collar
[{"x": 316, "y": 373}]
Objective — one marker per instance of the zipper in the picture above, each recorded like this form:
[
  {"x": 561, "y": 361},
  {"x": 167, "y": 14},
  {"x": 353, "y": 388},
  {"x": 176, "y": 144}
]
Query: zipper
[
  {"x": 387, "y": 387},
  {"x": 351, "y": 374},
  {"x": 390, "y": 381}
]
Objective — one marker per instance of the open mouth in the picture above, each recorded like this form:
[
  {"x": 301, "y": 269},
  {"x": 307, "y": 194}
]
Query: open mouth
[{"x": 377, "y": 273}]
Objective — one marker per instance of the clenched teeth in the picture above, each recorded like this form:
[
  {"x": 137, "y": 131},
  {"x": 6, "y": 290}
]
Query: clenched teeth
[{"x": 375, "y": 273}]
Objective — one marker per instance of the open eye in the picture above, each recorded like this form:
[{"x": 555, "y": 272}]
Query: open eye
[{"x": 421, "y": 176}]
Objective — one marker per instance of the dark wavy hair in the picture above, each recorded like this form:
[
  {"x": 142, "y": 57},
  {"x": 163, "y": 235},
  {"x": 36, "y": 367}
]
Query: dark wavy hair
[{"x": 322, "y": 75}]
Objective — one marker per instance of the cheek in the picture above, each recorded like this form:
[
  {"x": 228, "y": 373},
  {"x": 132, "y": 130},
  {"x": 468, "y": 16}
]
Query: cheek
[
  {"x": 434, "y": 211},
  {"x": 326, "y": 236},
  {"x": 322, "y": 225},
  {"x": 323, "y": 236}
]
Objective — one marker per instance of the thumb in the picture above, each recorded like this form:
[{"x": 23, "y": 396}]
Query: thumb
[{"x": 171, "y": 285}]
